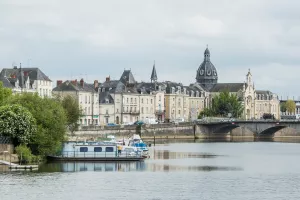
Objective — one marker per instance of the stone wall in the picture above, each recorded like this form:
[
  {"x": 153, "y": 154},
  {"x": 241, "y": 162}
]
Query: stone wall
[
  {"x": 185, "y": 130},
  {"x": 6, "y": 147}
]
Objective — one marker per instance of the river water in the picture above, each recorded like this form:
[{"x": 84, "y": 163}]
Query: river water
[{"x": 193, "y": 170}]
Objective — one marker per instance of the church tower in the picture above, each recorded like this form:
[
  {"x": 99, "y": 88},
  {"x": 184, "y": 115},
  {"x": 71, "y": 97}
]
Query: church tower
[
  {"x": 153, "y": 74},
  {"x": 207, "y": 75}
]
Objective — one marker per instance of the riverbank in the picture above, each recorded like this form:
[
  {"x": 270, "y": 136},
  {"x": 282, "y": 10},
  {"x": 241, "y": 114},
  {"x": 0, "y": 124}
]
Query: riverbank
[{"x": 171, "y": 131}]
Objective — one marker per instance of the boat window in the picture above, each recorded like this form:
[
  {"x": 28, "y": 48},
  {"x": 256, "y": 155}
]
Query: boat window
[
  {"x": 97, "y": 149},
  {"x": 83, "y": 149},
  {"x": 109, "y": 149}
]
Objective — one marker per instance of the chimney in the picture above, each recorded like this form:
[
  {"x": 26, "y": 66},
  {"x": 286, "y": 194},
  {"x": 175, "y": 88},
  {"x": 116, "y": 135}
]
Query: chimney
[
  {"x": 96, "y": 85},
  {"x": 81, "y": 82},
  {"x": 107, "y": 79},
  {"x": 58, "y": 83}
]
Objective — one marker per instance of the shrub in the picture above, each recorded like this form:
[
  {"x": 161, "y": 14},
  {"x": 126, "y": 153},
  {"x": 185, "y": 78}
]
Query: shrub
[{"x": 24, "y": 154}]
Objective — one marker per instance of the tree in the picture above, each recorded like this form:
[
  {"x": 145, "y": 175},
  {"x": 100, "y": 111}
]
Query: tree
[
  {"x": 17, "y": 123},
  {"x": 50, "y": 119},
  {"x": 223, "y": 104},
  {"x": 5, "y": 93},
  {"x": 73, "y": 111},
  {"x": 283, "y": 107},
  {"x": 290, "y": 106}
]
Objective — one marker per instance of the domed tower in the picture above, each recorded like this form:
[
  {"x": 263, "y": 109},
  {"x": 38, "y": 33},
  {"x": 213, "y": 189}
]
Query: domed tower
[{"x": 207, "y": 75}]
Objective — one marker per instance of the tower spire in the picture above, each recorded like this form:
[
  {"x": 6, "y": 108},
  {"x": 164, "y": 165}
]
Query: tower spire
[{"x": 153, "y": 74}]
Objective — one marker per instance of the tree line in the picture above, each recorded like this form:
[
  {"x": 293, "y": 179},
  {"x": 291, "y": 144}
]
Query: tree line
[{"x": 36, "y": 126}]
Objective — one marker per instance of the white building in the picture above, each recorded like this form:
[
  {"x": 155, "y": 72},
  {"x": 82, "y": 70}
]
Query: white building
[
  {"x": 26, "y": 80},
  {"x": 86, "y": 95}
]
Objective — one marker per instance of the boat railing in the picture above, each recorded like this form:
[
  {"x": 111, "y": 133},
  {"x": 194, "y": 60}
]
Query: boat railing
[{"x": 93, "y": 154}]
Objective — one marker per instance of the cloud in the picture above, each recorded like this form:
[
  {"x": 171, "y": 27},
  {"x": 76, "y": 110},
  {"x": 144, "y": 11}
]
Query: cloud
[{"x": 99, "y": 38}]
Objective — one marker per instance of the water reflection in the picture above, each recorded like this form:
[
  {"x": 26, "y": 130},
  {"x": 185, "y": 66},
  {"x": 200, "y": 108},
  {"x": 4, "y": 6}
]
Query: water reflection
[{"x": 92, "y": 166}]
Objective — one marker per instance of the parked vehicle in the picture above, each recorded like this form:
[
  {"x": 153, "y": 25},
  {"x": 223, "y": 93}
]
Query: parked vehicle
[
  {"x": 139, "y": 123},
  {"x": 150, "y": 121},
  {"x": 111, "y": 124}
]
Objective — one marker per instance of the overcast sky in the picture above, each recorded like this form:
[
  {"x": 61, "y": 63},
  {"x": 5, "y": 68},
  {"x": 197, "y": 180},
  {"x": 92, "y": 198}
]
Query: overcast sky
[{"x": 93, "y": 39}]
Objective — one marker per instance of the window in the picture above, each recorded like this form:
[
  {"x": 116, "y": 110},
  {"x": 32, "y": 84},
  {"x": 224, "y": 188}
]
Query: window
[
  {"x": 127, "y": 109},
  {"x": 159, "y": 97},
  {"x": 97, "y": 149},
  {"x": 83, "y": 149},
  {"x": 178, "y": 112},
  {"x": 134, "y": 109},
  {"x": 142, "y": 110},
  {"x": 151, "y": 101},
  {"x": 117, "y": 110},
  {"x": 131, "y": 100},
  {"x": 109, "y": 149},
  {"x": 85, "y": 99},
  {"x": 142, "y": 100},
  {"x": 147, "y": 101},
  {"x": 127, "y": 100},
  {"x": 134, "y": 100},
  {"x": 173, "y": 99},
  {"x": 130, "y": 109}
]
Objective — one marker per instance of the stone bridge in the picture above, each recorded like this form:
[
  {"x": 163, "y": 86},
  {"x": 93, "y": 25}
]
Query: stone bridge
[{"x": 256, "y": 128}]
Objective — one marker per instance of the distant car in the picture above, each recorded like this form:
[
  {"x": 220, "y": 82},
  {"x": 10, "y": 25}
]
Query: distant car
[
  {"x": 111, "y": 124},
  {"x": 139, "y": 123}
]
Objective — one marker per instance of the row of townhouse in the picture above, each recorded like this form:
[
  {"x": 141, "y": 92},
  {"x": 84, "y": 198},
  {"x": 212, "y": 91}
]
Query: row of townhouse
[{"x": 126, "y": 101}]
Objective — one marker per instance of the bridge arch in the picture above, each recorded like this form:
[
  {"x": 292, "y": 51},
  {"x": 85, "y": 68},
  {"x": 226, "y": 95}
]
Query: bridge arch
[
  {"x": 225, "y": 128},
  {"x": 271, "y": 131}
]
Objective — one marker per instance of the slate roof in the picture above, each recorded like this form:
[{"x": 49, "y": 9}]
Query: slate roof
[
  {"x": 127, "y": 77},
  {"x": 74, "y": 86},
  {"x": 153, "y": 74},
  {"x": 231, "y": 87},
  {"x": 103, "y": 96},
  {"x": 33, "y": 73},
  {"x": 265, "y": 92},
  {"x": 6, "y": 82}
]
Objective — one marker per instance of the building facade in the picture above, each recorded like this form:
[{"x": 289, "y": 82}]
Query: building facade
[
  {"x": 85, "y": 94},
  {"x": 255, "y": 102},
  {"x": 31, "y": 80}
]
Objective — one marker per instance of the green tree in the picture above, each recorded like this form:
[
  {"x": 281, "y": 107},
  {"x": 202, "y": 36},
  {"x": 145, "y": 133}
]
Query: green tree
[
  {"x": 5, "y": 93},
  {"x": 223, "y": 104},
  {"x": 283, "y": 107},
  {"x": 73, "y": 112},
  {"x": 290, "y": 106},
  {"x": 17, "y": 123},
  {"x": 50, "y": 119}
]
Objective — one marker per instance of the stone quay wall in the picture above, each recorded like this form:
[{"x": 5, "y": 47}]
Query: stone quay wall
[{"x": 182, "y": 130}]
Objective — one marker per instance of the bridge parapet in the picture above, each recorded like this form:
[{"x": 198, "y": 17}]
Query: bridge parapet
[{"x": 258, "y": 127}]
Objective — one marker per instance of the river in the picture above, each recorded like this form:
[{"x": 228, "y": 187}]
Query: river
[{"x": 189, "y": 170}]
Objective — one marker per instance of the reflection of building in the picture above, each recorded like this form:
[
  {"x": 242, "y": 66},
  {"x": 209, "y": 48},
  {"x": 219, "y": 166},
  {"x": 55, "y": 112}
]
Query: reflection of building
[
  {"x": 256, "y": 102},
  {"x": 26, "y": 80}
]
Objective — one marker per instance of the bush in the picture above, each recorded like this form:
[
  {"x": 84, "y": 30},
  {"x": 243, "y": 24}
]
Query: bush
[{"x": 24, "y": 154}]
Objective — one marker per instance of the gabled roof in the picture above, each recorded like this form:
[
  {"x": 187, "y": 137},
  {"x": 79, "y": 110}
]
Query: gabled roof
[{"x": 230, "y": 87}]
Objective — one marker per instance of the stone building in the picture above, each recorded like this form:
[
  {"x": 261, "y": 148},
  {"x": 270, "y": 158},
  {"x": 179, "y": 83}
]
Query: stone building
[
  {"x": 31, "y": 80},
  {"x": 86, "y": 95},
  {"x": 255, "y": 102}
]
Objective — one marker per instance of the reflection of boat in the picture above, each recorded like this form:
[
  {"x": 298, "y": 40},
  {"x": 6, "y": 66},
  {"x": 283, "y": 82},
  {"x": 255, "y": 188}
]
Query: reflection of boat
[
  {"x": 93, "y": 151},
  {"x": 136, "y": 141},
  {"x": 93, "y": 166}
]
